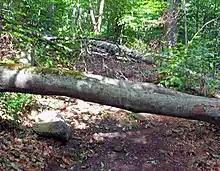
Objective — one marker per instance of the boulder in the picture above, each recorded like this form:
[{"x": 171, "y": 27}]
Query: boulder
[{"x": 51, "y": 124}]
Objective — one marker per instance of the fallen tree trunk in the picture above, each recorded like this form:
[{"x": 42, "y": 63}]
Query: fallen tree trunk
[
  {"x": 108, "y": 48},
  {"x": 136, "y": 97}
]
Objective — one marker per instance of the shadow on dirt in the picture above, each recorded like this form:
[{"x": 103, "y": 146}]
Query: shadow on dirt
[
  {"x": 117, "y": 142},
  {"x": 160, "y": 143}
]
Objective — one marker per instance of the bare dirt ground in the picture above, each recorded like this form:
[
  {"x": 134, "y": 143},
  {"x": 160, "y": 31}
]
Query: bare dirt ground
[
  {"x": 113, "y": 139},
  {"x": 110, "y": 139}
]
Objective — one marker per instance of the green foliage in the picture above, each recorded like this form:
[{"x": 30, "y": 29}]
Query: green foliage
[
  {"x": 200, "y": 12},
  {"x": 15, "y": 105},
  {"x": 195, "y": 67},
  {"x": 29, "y": 21},
  {"x": 138, "y": 44},
  {"x": 141, "y": 20},
  {"x": 192, "y": 68}
]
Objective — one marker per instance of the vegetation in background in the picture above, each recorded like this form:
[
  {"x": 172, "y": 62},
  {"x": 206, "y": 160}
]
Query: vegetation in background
[
  {"x": 195, "y": 61},
  {"x": 142, "y": 22}
]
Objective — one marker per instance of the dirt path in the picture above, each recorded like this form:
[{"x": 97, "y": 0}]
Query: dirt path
[
  {"x": 106, "y": 138},
  {"x": 160, "y": 143}
]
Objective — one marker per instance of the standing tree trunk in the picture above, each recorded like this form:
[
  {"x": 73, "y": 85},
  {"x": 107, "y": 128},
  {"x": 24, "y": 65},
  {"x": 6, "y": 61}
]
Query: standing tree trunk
[
  {"x": 171, "y": 18},
  {"x": 97, "y": 24},
  {"x": 185, "y": 24}
]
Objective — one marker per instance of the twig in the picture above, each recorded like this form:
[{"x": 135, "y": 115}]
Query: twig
[{"x": 202, "y": 28}]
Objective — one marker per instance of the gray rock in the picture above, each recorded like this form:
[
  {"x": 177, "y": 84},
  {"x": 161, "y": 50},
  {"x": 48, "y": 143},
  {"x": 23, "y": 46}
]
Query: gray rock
[{"x": 51, "y": 124}]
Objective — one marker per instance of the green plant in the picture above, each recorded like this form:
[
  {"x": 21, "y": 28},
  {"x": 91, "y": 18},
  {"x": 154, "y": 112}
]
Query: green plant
[
  {"x": 15, "y": 105},
  {"x": 140, "y": 21},
  {"x": 192, "y": 68}
]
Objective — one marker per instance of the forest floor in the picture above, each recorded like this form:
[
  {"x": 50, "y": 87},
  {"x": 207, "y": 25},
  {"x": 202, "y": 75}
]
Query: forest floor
[{"x": 105, "y": 138}]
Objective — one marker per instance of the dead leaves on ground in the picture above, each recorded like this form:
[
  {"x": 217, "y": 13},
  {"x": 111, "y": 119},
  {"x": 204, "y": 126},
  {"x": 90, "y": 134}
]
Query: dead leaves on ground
[{"x": 23, "y": 150}]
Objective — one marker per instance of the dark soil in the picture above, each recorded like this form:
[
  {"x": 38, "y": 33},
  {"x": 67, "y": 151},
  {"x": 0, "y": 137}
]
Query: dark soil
[{"x": 117, "y": 143}]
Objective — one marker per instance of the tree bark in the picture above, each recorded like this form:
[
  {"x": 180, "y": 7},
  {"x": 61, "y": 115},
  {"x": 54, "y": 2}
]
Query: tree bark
[
  {"x": 185, "y": 23},
  {"x": 171, "y": 17},
  {"x": 97, "y": 25},
  {"x": 108, "y": 48},
  {"x": 136, "y": 97}
]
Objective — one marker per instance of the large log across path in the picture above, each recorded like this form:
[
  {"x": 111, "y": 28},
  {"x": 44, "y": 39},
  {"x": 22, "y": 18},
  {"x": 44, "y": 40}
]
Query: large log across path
[{"x": 136, "y": 97}]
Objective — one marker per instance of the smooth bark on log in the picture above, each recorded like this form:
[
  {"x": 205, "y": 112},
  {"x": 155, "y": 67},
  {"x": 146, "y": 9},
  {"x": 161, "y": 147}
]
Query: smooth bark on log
[{"x": 136, "y": 97}]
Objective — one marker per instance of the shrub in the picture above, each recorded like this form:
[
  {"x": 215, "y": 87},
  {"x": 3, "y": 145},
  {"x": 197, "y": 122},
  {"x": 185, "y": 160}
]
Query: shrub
[
  {"x": 192, "y": 68},
  {"x": 14, "y": 106}
]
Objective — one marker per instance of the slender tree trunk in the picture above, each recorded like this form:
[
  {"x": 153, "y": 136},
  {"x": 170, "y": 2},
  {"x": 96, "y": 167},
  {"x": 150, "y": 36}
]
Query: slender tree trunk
[
  {"x": 51, "y": 15},
  {"x": 97, "y": 25},
  {"x": 185, "y": 24}
]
